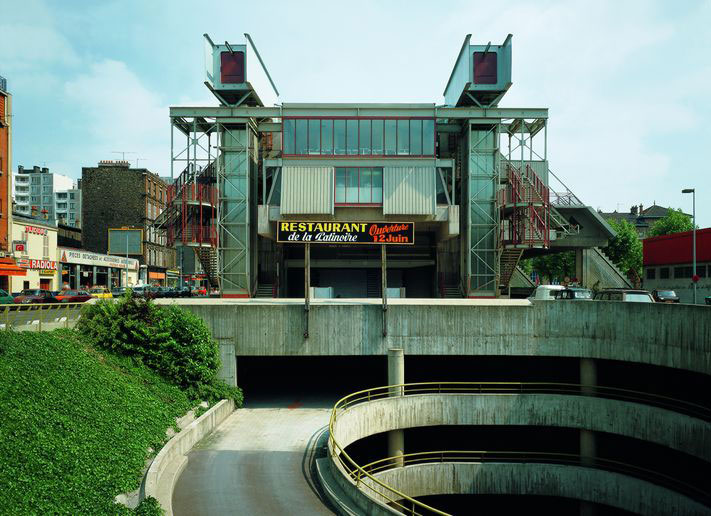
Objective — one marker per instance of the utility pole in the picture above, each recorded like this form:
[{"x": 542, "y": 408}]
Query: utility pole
[{"x": 694, "y": 278}]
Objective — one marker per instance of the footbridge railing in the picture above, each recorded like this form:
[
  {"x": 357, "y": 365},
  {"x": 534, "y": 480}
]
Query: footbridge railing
[{"x": 39, "y": 316}]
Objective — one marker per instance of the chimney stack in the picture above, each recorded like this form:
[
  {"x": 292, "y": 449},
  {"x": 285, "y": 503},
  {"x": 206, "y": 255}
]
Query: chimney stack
[{"x": 633, "y": 210}]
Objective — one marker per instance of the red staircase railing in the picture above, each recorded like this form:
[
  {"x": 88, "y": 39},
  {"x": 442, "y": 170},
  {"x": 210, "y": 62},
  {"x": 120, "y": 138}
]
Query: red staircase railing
[{"x": 525, "y": 204}]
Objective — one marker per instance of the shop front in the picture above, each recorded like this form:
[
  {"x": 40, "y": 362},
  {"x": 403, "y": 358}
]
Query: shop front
[
  {"x": 34, "y": 247},
  {"x": 84, "y": 269}
]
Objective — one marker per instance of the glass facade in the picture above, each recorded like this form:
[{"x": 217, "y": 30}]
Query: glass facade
[
  {"x": 359, "y": 137},
  {"x": 359, "y": 185}
]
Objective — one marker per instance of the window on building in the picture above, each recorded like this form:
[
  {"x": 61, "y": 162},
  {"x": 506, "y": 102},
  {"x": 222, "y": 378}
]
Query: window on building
[
  {"x": 664, "y": 273},
  {"x": 683, "y": 272},
  {"x": 416, "y": 137},
  {"x": 314, "y": 144},
  {"x": 46, "y": 189},
  {"x": 339, "y": 137},
  {"x": 352, "y": 137},
  {"x": 232, "y": 67},
  {"x": 485, "y": 65},
  {"x": 289, "y": 132},
  {"x": 72, "y": 206},
  {"x": 47, "y": 199},
  {"x": 651, "y": 273},
  {"x": 45, "y": 247},
  {"x": 71, "y": 216},
  {"x": 301, "y": 136},
  {"x": 377, "y": 128},
  {"x": 362, "y": 185},
  {"x": 36, "y": 180},
  {"x": 390, "y": 137},
  {"x": 71, "y": 195},
  {"x": 428, "y": 137},
  {"x": 327, "y": 137},
  {"x": 364, "y": 138},
  {"x": 35, "y": 198},
  {"x": 403, "y": 137}
]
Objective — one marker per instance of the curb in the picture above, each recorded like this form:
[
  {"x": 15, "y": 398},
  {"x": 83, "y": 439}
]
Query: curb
[{"x": 172, "y": 458}]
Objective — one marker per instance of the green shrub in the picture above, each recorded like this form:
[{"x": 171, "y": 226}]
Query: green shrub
[
  {"x": 170, "y": 340},
  {"x": 149, "y": 507}
]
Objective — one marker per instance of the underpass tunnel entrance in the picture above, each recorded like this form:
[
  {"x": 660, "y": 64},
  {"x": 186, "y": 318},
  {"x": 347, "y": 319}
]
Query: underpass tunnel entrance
[{"x": 307, "y": 381}]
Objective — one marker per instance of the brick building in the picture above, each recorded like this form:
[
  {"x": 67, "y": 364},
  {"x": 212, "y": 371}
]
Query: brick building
[{"x": 114, "y": 195}]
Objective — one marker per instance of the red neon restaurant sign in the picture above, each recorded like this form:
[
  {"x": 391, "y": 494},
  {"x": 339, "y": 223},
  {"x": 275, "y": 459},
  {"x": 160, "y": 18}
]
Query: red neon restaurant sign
[{"x": 37, "y": 264}]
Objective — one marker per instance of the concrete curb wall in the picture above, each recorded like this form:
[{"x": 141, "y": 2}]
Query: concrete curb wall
[
  {"x": 648, "y": 423},
  {"x": 172, "y": 458},
  {"x": 605, "y": 487},
  {"x": 677, "y": 336}
]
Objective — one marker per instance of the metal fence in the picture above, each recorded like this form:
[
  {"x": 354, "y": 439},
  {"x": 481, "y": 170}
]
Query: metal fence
[{"x": 39, "y": 317}]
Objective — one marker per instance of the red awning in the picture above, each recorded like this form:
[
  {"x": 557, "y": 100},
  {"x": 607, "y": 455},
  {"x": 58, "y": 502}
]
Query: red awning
[{"x": 10, "y": 269}]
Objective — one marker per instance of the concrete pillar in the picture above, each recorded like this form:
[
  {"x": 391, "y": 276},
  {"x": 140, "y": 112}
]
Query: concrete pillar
[
  {"x": 77, "y": 276},
  {"x": 580, "y": 266},
  {"x": 108, "y": 278},
  {"x": 93, "y": 272},
  {"x": 396, "y": 376},
  {"x": 588, "y": 381},
  {"x": 228, "y": 362}
]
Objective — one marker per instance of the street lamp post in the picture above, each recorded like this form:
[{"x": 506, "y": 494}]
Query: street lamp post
[{"x": 692, "y": 191}]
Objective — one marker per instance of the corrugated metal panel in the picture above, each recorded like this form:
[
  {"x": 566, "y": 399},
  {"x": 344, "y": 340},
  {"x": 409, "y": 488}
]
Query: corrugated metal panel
[
  {"x": 409, "y": 191},
  {"x": 306, "y": 190}
]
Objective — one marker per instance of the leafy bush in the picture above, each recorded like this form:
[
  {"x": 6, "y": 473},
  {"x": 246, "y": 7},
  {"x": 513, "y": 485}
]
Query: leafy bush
[
  {"x": 76, "y": 424},
  {"x": 149, "y": 507},
  {"x": 171, "y": 341}
]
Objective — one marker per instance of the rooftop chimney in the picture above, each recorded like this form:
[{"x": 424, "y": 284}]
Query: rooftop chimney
[
  {"x": 633, "y": 210},
  {"x": 641, "y": 209}
]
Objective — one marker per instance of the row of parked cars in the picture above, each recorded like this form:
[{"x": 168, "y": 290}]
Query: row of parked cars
[
  {"x": 550, "y": 292},
  {"x": 33, "y": 296}
]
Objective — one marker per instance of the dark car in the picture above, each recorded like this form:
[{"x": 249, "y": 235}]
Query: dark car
[
  {"x": 665, "y": 296},
  {"x": 73, "y": 296},
  {"x": 184, "y": 291},
  {"x": 624, "y": 294},
  {"x": 167, "y": 292},
  {"x": 35, "y": 296},
  {"x": 118, "y": 291},
  {"x": 574, "y": 294}
]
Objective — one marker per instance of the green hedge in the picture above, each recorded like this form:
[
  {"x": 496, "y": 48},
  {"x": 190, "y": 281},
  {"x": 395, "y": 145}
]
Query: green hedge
[{"x": 76, "y": 424}]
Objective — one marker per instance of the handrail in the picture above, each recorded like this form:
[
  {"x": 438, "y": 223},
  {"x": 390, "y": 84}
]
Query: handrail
[
  {"x": 38, "y": 313},
  {"x": 467, "y": 456},
  {"x": 398, "y": 499}
]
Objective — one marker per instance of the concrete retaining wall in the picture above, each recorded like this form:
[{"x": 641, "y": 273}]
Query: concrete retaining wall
[
  {"x": 172, "y": 459},
  {"x": 605, "y": 487},
  {"x": 677, "y": 336},
  {"x": 657, "y": 425}
]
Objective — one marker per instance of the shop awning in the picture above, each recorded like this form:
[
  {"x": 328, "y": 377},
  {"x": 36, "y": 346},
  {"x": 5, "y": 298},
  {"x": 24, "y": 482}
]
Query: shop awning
[{"x": 8, "y": 268}]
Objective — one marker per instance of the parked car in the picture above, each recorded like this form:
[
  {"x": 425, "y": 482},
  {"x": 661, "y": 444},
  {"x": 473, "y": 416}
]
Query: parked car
[
  {"x": 5, "y": 298},
  {"x": 199, "y": 291},
  {"x": 166, "y": 292},
  {"x": 545, "y": 292},
  {"x": 73, "y": 296},
  {"x": 101, "y": 293},
  {"x": 183, "y": 292},
  {"x": 30, "y": 296},
  {"x": 626, "y": 295},
  {"x": 574, "y": 294},
  {"x": 665, "y": 296},
  {"x": 142, "y": 291},
  {"x": 118, "y": 291}
]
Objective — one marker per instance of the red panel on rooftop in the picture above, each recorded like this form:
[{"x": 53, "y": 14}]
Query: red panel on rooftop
[
  {"x": 232, "y": 67},
  {"x": 676, "y": 248},
  {"x": 485, "y": 68}
]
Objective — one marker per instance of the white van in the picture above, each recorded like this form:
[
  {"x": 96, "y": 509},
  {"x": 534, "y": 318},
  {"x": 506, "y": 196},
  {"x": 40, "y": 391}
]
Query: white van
[{"x": 545, "y": 292}]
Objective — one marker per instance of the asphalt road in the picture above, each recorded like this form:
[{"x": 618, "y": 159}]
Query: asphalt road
[{"x": 259, "y": 461}]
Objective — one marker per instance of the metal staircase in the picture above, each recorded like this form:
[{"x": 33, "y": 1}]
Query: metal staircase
[
  {"x": 451, "y": 292},
  {"x": 208, "y": 260},
  {"x": 508, "y": 261},
  {"x": 265, "y": 290}
]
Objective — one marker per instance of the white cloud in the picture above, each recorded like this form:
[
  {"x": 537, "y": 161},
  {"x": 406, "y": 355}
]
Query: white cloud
[{"x": 121, "y": 114}]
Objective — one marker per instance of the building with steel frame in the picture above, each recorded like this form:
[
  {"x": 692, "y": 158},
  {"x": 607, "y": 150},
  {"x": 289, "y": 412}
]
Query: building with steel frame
[{"x": 472, "y": 176}]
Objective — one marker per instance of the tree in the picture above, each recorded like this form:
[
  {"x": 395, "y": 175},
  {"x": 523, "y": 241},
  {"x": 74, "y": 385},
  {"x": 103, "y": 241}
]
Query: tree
[
  {"x": 625, "y": 250},
  {"x": 675, "y": 221},
  {"x": 555, "y": 266}
]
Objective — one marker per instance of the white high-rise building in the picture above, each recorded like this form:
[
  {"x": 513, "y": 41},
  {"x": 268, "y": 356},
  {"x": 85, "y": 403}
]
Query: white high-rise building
[{"x": 35, "y": 190}]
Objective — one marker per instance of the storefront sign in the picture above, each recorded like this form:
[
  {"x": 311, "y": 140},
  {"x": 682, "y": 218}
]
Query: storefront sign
[
  {"x": 47, "y": 265},
  {"x": 401, "y": 233},
  {"x": 19, "y": 246},
  {"x": 77, "y": 256},
  {"x": 32, "y": 230}
]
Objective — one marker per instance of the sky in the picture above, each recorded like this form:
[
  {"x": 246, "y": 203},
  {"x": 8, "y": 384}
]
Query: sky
[{"x": 626, "y": 83}]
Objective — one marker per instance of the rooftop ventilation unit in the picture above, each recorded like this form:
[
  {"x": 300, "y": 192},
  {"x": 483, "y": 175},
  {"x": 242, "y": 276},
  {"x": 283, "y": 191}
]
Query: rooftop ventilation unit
[
  {"x": 237, "y": 75},
  {"x": 481, "y": 75}
]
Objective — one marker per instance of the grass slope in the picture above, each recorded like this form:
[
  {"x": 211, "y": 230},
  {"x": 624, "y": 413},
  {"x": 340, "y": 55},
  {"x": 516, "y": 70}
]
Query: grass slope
[{"x": 75, "y": 424}]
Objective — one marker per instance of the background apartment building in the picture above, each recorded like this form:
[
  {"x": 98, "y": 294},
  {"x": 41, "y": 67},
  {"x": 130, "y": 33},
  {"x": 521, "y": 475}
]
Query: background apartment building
[
  {"x": 142, "y": 197},
  {"x": 36, "y": 192}
]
